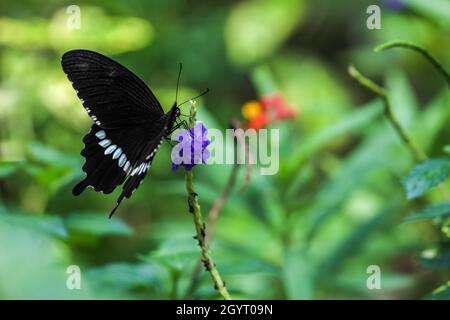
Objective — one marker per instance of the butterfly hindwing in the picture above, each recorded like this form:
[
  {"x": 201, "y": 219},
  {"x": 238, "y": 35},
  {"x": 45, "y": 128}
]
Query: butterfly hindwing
[
  {"x": 159, "y": 131},
  {"x": 109, "y": 157},
  {"x": 139, "y": 171},
  {"x": 113, "y": 96}
]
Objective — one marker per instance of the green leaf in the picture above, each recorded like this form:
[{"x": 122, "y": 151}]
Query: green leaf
[
  {"x": 48, "y": 155},
  {"x": 32, "y": 260},
  {"x": 124, "y": 276},
  {"x": 360, "y": 166},
  {"x": 432, "y": 120},
  {"x": 401, "y": 96},
  {"x": 97, "y": 225},
  {"x": 425, "y": 176},
  {"x": 51, "y": 168},
  {"x": 441, "y": 293},
  {"x": 50, "y": 225},
  {"x": 8, "y": 167},
  {"x": 54, "y": 177},
  {"x": 351, "y": 123},
  {"x": 356, "y": 283},
  {"x": 298, "y": 275},
  {"x": 430, "y": 212},
  {"x": 356, "y": 240},
  {"x": 176, "y": 253},
  {"x": 263, "y": 80},
  {"x": 237, "y": 259}
]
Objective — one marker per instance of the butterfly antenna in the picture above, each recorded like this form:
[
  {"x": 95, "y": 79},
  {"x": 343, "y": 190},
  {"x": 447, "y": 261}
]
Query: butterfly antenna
[
  {"x": 196, "y": 97},
  {"x": 178, "y": 81}
]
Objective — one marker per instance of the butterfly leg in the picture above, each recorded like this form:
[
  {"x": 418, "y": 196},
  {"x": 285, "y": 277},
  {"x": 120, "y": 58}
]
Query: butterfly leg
[
  {"x": 183, "y": 124},
  {"x": 170, "y": 142}
]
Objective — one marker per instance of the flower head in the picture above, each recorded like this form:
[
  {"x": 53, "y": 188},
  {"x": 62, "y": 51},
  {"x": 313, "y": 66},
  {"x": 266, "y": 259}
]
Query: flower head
[
  {"x": 191, "y": 148},
  {"x": 268, "y": 109}
]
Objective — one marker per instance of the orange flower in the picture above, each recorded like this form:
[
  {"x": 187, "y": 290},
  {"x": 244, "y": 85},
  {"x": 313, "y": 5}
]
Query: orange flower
[
  {"x": 251, "y": 109},
  {"x": 269, "y": 109},
  {"x": 258, "y": 122}
]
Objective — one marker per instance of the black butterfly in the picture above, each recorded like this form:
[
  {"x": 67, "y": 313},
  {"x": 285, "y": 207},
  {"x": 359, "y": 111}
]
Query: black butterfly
[{"x": 129, "y": 122}]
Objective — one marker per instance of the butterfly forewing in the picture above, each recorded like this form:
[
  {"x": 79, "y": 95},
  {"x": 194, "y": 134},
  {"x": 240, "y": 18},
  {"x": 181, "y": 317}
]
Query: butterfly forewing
[{"x": 113, "y": 96}]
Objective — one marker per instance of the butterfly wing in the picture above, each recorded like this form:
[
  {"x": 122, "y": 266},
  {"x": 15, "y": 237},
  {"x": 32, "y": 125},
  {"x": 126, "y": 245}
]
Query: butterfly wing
[
  {"x": 130, "y": 124},
  {"x": 110, "y": 156},
  {"x": 142, "y": 165},
  {"x": 138, "y": 172},
  {"x": 122, "y": 106},
  {"x": 113, "y": 96}
]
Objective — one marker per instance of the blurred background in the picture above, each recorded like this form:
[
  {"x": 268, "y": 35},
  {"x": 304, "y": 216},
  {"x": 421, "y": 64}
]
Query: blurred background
[{"x": 311, "y": 231}]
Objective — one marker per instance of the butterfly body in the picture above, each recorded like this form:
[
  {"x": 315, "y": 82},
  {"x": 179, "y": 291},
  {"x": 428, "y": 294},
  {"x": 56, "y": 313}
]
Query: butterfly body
[{"x": 129, "y": 122}]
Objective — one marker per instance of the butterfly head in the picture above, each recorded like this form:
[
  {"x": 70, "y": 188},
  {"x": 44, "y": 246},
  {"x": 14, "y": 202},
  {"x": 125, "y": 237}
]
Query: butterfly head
[
  {"x": 175, "y": 111},
  {"x": 173, "y": 114}
]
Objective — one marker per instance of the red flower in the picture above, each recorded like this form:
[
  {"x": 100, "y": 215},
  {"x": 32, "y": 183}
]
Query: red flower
[
  {"x": 258, "y": 122},
  {"x": 269, "y": 109}
]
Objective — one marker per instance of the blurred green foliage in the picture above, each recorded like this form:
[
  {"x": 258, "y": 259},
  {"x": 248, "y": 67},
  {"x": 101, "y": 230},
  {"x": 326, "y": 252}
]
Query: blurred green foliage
[{"x": 337, "y": 205}]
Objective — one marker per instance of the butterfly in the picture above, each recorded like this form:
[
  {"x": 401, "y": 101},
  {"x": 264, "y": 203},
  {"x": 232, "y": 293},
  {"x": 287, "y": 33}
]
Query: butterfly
[{"x": 129, "y": 123}]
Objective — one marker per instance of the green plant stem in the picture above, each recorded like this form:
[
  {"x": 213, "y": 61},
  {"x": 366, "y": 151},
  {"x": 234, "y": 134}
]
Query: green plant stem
[
  {"x": 423, "y": 51},
  {"x": 212, "y": 220},
  {"x": 218, "y": 205},
  {"x": 200, "y": 228},
  {"x": 414, "y": 148}
]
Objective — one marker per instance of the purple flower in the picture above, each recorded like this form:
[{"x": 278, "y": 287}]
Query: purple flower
[{"x": 191, "y": 148}]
